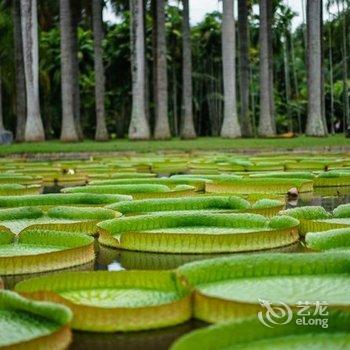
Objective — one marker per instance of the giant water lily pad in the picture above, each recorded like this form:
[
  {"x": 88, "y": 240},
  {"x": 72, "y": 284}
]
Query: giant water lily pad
[
  {"x": 198, "y": 184},
  {"x": 326, "y": 240},
  {"x": 42, "y": 250},
  {"x": 332, "y": 178},
  {"x": 181, "y": 232},
  {"x": 46, "y": 201},
  {"x": 251, "y": 334},
  {"x": 222, "y": 204},
  {"x": 33, "y": 325},
  {"x": 18, "y": 190},
  {"x": 58, "y": 218},
  {"x": 115, "y": 301},
  {"x": 136, "y": 191},
  {"x": 314, "y": 218},
  {"x": 228, "y": 288},
  {"x": 258, "y": 185}
]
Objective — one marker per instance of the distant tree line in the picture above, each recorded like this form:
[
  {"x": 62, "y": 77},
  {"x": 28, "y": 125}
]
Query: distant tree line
[{"x": 65, "y": 73}]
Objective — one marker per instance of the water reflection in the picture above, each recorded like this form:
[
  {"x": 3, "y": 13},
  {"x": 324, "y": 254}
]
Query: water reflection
[
  {"x": 146, "y": 340},
  {"x": 11, "y": 280},
  {"x": 115, "y": 259}
]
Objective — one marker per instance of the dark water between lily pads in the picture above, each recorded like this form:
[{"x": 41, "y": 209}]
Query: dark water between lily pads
[{"x": 115, "y": 260}]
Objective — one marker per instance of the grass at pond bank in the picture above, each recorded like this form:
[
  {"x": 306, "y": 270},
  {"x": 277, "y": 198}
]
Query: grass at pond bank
[{"x": 337, "y": 142}]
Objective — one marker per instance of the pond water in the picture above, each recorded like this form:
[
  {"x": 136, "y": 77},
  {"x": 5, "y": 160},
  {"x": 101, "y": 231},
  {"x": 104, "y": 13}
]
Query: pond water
[{"x": 115, "y": 260}]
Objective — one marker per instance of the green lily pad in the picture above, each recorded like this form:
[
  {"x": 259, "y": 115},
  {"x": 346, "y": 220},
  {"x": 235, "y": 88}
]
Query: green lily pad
[
  {"x": 258, "y": 185},
  {"x": 79, "y": 219},
  {"x": 42, "y": 250},
  {"x": 31, "y": 325},
  {"x": 231, "y": 287},
  {"x": 116, "y": 301},
  {"x": 136, "y": 191},
  {"x": 332, "y": 239},
  {"x": 53, "y": 199},
  {"x": 181, "y": 232},
  {"x": 313, "y": 219},
  {"x": 251, "y": 334}
]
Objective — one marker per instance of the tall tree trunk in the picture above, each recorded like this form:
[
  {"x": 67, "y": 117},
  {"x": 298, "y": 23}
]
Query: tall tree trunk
[
  {"x": 162, "y": 129},
  {"x": 68, "y": 131},
  {"x": 1, "y": 111},
  {"x": 230, "y": 126},
  {"x": 287, "y": 81},
  {"x": 154, "y": 61},
  {"x": 267, "y": 126},
  {"x": 34, "y": 130},
  {"x": 101, "y": 129},
  {"x": 187, "y": 127},
  {"x": 243, "y": 30},
  {"x": 296, "y": 83},
  {"x": 19, "y": 71},
  {"x": 139, "y": 128},
  {"x": 331, "y": 77},
  {"x": 147, "y": 73},
  {"x": 75, "y": 17},
  {"x": 346, "y": 121},
  {"x": 314, "y": 125}
]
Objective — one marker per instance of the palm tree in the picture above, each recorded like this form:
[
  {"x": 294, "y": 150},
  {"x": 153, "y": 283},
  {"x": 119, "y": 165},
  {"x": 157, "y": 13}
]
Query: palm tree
[
  {"x": 315, "y": 125},
  {"x": 187, "y": 130},
  {"x": 19, "y": 71},
  {"x": 75, "y": 18},
  {"x": 230, "y": 126},
  {"x": 34, "y": 130},
  {"x": 139, "y": 128},
  {"x": 267, "y": 125},
  {"x": 243, "y": 31},
  {"x": 68, "y": 131},
  {"x": 101, "y": 129},
  {"x": 162, "y": 128}
]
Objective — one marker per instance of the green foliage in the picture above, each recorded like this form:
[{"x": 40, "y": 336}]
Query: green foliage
[{"x": 308, "y": 213}]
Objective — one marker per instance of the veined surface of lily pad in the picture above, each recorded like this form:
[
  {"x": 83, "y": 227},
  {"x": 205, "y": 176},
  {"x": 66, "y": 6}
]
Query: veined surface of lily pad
[
  {"x": 259, "y": 185},
  {"x": 43, "y": 250},
  {"x": 181, "y": 232},
  {"x": 326, "y": 240},
  {"x": 19, "y": 190},
  {"x": 198, "y": 184},
  {"x": 313, "y": 219},
  {"x": 251, "y": 334},
  {"x": 225, "y": 204},
  {"x": 53, "y": 199},
  {"x": 33, "y": 325},
  {"x": 116, "y": 301},
  {"x": 232, "y": 287},
  {"x": 136, "y": 191},
  {"x": 78, "y": 219}
]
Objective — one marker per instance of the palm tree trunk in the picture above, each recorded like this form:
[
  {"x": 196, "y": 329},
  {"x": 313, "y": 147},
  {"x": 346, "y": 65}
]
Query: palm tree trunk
[
  {"x": 101, "y": 129},
  {"x": 139, "y": 128},
  {"x": 68, "y": 131},
  {"x": 314, "y": 125},
  {"x": 230, "y": 126},
  {"x": 243, "y": 30},
  {"x": 75, "y": 17},
  {"x": 1, "y": 111},
  {"x": 287, "y": 81},
  {"x": 267, "y": 126},
  {"x": 296, "y": 82},
  {"x": 162, "y": 128},
  {"x": 331, "y": 76},
  {"x": 34, "y": 130},
  {"x": 187, "y": 129},
  {"x": 345, "y": 72},
  {"x": 19, "y": 72}
]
